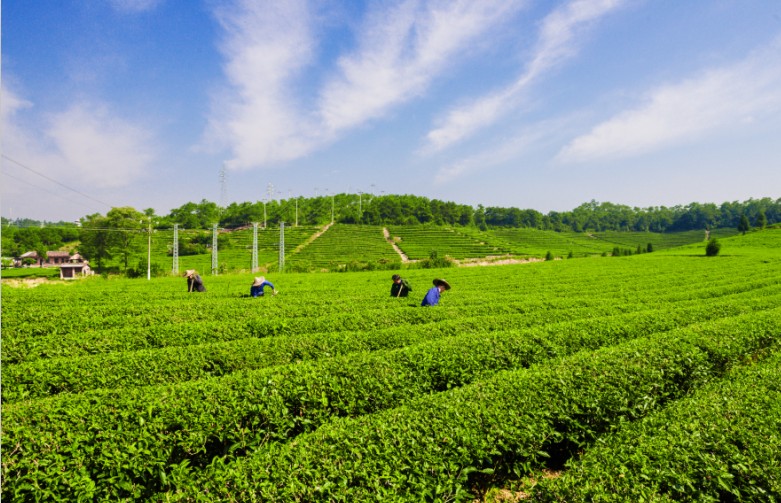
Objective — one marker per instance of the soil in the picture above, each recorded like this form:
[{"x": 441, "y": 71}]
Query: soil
[
  {"x": 25, "y": 282},
  {"x": 496, "y": 261}
]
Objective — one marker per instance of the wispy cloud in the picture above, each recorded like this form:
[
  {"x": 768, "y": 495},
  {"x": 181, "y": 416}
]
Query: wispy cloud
[
  {"x": 266, "y": 45},
  {"x": 132, "y": 6},
  {"x": 557, "y": 41},
  {"x": 715, "y": 100},
  {"x": 401, "y": 50},
  {"x": 512, "y": 148},
  {"x": 85, "y": 143}
]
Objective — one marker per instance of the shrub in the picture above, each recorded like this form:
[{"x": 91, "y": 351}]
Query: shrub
[
  {"x": 434, "y": 261},
  {"x": 549, "y": 255},
  {"x": 713, "y": 247}
]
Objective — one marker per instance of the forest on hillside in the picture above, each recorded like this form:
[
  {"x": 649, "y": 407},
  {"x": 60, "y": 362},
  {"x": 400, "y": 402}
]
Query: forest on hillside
[{"x": 21, "y": 235}]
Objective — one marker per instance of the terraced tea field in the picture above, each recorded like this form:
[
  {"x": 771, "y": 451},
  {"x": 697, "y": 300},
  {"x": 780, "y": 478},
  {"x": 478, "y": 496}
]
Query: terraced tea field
[
  {"x": 341, "y": 247},
  {"x": 655, "y": 376}
]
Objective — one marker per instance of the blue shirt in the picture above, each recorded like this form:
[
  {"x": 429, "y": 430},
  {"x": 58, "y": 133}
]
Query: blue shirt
[
  {"x": 431, "y": 298},
  {"x": 257, "y": 291}
]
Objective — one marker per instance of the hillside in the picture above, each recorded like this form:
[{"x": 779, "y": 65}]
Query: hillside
[
  {"x": 550, "y": 379},
  {"x": 341, "y": 247}
]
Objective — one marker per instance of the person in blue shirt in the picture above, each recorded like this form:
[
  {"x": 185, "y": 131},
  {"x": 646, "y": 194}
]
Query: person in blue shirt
[
  {"x": 258, "y": 286},
  {"x": 432, "y": 296}
]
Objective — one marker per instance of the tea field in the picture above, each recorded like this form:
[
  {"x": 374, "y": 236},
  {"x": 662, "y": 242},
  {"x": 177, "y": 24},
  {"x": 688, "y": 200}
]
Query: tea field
[{"x": 637, "y": 378}]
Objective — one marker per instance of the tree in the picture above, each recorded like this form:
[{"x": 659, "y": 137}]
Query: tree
[
  {"x": 761, "y": 220},
  {"x": 744, "y": 226},
  {"x": 95, "y": 242},
  {"x": 125, "y": 224}
]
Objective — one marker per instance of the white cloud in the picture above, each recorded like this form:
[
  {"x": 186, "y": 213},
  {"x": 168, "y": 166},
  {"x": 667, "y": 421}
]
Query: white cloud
[
  {"x": 716, "y": 100},
  {"x": 11, "y": 104},
  {"x": 84, "y": 143},
  {"x": 266, "y": 46},
  {"x": 100, "y": 148},
  {"x": 513, "y": 149},
  {"x": 401, "y": 49},
  {"x": 134, "y": 5},
  {"x": 556, "y": 42}
]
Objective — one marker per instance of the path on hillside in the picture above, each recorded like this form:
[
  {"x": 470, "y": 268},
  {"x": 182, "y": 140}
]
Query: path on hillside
[
  {"x": 386, "y": 233},
  {"x": 313, "y": 237}
]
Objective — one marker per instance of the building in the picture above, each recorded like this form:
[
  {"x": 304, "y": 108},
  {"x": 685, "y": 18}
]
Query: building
[
  {"x": 53, "y": 258},
  {"x": 75, "y": 268}
]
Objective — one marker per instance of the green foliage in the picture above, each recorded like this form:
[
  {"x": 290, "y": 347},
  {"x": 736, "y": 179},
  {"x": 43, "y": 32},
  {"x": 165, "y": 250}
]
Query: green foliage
[
  {"x": 712, "y": 248},
  {"x": 761, "y": 220},
  {"x": 434, "y": 261},
  {"x": 332, "y": 391},
  {"x": 721, "y": 444},
  {"x": 744, "y": 225},
  {"x": 549, "y": 255}
]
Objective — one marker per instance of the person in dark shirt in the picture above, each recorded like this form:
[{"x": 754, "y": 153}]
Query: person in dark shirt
[
  {"x": 257, "y": 287},
  {"x": 400, "y": 287},
  {"x": 194, "y": 281},
  {"x": 432, "y": 296}
]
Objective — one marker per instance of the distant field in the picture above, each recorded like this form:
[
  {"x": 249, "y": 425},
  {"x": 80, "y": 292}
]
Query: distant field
[
  {"x": 31, "y": 272},
  {"x": 630, "y": 378},
  {"x": 363, "y": 246}
]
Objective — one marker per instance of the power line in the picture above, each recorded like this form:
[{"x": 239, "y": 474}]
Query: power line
[
  {"x": 55, "y": 181},
  {"x": 47, "y": 190}
]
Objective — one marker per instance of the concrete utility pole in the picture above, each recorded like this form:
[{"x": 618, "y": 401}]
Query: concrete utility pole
[
  {"x": 175, "y": 268},
  {"x": 254, "y": 246},
  {"x": 149, "y": 253},
  {"x": 214, "y": 250},
  {"x": 281, "y": 246}
]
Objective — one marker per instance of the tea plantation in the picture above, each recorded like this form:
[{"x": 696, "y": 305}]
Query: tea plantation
[{"x": 638, "y": 378}]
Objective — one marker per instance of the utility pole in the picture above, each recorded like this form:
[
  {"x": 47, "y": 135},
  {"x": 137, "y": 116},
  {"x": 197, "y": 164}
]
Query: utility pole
[
  {"x": 149, "y": 252},
  {"x": 254, "y": 246},
  {"x": 281, "y": 246},
  {"x": 214, "y": 250},
  {"x": 175, "y": 268}
]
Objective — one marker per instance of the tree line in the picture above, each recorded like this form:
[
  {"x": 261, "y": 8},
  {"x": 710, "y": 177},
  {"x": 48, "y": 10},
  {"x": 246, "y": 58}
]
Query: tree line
[
  {"x": 117, "y": 234},
  {"x": 413, "y": 210}
]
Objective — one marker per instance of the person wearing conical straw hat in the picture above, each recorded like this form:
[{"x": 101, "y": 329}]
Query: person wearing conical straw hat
[
  {"x": 258, "y": 286},
  {"x": 432, "y": 296},
  {"x": 194, "y": 281}
]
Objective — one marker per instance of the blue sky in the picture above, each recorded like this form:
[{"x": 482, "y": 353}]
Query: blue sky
[{"x": 532, "y": 104}]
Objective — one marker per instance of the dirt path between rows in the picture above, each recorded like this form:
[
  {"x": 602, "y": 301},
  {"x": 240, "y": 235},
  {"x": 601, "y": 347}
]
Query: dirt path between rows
[
  {"x": 389, "y": 239},
  {"x": 312, "y": 238}
]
